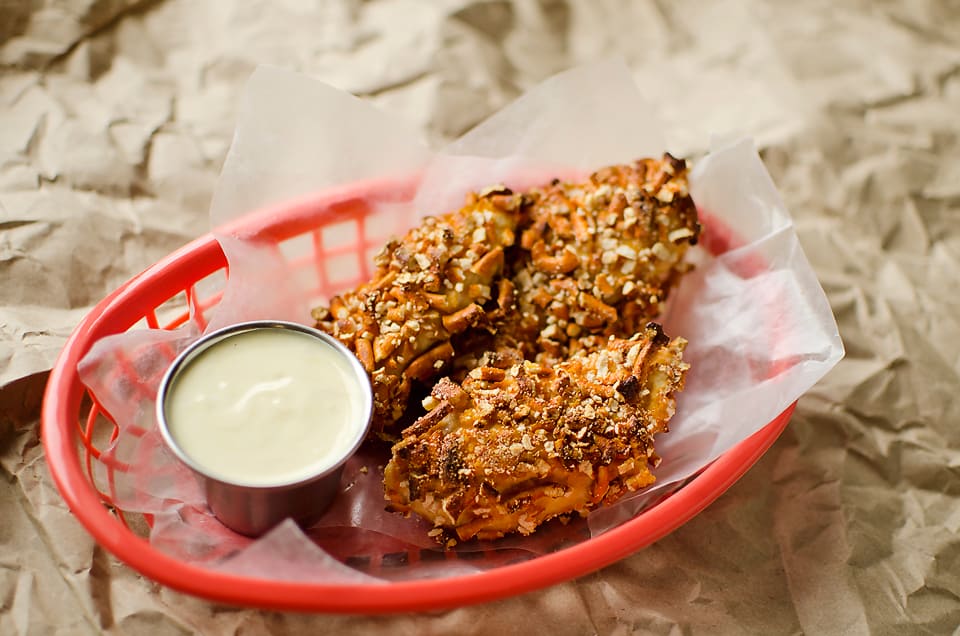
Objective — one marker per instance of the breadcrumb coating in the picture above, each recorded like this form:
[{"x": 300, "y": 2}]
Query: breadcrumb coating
[
  {"x": 508, "y": 449},
  {"x": 429, "y": 286},
  {"x": 535, "y": 309},
  {"x": 598, "y": 257}
]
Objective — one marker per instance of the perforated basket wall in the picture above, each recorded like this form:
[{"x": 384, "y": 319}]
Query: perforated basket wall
[{"x": 329, "y": 239}]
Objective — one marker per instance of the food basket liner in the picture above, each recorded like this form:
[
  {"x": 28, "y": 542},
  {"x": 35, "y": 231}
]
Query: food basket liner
[{"x": 759, "y": 328}]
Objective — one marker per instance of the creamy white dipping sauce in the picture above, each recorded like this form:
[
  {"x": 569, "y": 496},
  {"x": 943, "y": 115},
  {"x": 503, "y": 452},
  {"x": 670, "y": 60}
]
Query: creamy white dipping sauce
[{"x": 266, "y": 407}]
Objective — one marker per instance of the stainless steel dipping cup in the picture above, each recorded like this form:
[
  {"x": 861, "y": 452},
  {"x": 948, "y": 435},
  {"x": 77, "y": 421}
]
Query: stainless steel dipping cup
[{"x": 253, "y": 509}]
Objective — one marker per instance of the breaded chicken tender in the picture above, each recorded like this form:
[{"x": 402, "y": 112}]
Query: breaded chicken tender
[
  {"x": 536, "y": 308},
  {"x": 597, "y": 257},
  {"x": 428, "y": 286},
  {"x": 510, "y": 448}
]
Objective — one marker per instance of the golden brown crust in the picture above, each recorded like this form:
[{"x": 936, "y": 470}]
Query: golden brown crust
[
  {"x": 428, "y": 286},
  {"x": 598, "y": 257},
  {"x": 594, "y": 259},
  {"x": 511, "y": 448}
]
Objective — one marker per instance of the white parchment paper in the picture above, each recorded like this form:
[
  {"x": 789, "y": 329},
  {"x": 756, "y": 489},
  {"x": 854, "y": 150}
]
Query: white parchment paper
[{"x": 760, "y": 330}]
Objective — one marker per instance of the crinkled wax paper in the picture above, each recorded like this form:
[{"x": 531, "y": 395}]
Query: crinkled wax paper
[{"x": 760, "y": 330}]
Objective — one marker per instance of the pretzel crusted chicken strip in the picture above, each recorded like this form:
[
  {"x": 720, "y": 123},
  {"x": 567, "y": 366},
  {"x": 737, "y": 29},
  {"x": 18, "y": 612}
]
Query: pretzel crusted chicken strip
[
  {"x": 428, "y": 286},
  {"x": 599, "y": 257},
  {"x": 511, "y": 448}
]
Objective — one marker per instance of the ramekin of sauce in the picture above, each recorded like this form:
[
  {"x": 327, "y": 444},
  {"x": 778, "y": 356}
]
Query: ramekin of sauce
[{"x": 266, "y": 414}]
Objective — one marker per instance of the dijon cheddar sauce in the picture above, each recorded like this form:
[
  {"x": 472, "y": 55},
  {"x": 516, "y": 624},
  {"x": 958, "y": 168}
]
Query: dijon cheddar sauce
[{"x": 265, "y": 407}]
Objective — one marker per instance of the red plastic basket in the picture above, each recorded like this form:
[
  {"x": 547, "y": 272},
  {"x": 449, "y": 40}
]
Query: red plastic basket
[{"x": 71, "y": 424}]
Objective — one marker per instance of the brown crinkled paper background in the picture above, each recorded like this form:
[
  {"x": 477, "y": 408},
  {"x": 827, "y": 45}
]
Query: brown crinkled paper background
[{"x": 114, "y": 121}]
